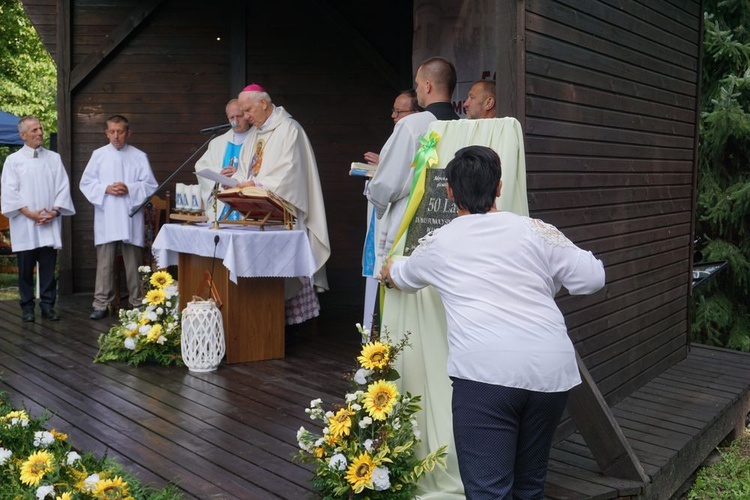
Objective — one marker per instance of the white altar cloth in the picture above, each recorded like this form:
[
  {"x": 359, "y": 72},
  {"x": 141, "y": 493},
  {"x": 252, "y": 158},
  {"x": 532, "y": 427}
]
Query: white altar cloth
[{"x": 245, "y": 251}]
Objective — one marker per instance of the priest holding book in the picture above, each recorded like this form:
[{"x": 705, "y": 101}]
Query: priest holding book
[{"x": 277, "y": 156}]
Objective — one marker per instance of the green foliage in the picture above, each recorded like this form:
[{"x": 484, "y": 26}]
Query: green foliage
[
  {"x": 28, "y": 77},
  {"x": 72, "y": 475},
  {"x": 723, "y": 198},
  {"x": 729, "y": 478}
]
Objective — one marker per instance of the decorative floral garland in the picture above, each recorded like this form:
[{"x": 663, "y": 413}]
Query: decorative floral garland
[
  {"x": 148, "y": 334},
  {"x": 37, "y": 463},
  {"x": 367, "y": 449}
]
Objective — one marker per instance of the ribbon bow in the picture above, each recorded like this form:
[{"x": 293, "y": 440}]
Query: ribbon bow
[{"x": 426, "y": 156}]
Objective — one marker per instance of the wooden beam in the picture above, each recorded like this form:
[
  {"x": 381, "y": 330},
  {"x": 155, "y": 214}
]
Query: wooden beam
[
  {"x": 600, "y": 430},
  {"x": 238, "y": 47},
  {"x": 112, "y": 41},
  {"x": 64, "y": 134},
  {"x": 510, "y": 89},
  {"x": 356, "y": 40}
]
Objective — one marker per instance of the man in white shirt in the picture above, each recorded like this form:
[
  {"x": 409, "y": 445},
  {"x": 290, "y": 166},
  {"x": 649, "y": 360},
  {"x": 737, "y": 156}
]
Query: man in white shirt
[
  {"x": 118, "y": 178},
  {"x": 223, "y": 155},
  {"x": 35, "y": 193}
]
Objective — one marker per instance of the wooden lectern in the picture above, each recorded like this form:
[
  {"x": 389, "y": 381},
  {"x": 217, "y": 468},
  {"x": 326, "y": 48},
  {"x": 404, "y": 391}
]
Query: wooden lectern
[{"x": 252, "y": 310}]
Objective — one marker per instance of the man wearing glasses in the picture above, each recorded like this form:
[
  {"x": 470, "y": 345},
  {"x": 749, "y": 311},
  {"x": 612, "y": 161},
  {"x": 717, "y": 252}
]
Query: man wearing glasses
[{"x": 404, "y": 105}]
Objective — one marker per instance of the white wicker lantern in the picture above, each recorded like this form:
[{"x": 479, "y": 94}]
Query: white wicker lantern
[{"x": 203, "y": 344}]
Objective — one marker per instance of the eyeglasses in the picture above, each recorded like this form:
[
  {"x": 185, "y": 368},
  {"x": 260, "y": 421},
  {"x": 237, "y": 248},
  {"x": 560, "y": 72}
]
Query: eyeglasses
[{"x": 397, "y": 112}]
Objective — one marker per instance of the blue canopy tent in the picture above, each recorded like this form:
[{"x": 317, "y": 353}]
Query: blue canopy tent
[{"x": 9, "y": 130}]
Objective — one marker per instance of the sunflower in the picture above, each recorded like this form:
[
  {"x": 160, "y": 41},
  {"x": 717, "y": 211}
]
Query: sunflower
[
  {"x": 374, "y": 356},
  {"x": 36, "y": 466},
  {"x": 379, "y": 399},
  {"x": 341, "y": 423},
  {"x": 161, "y": 279},
  {"x": 111, "y": 489},
  {"x": 154, "y": 333},
  {"x": 19, "y": 414},
  {"x": 156, "y": 297},
  {"x": 65, "y": 496},
  {"x": 359, "y": 473}
]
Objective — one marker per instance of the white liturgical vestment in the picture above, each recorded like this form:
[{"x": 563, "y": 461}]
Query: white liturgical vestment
[
  {"x": 112, "y": 221},
  {"x": 35, "y": 183},
  {"x": 288, "y": 169}
]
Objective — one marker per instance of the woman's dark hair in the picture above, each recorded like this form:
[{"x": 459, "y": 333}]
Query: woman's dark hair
[{"x": 473, "y": 175}]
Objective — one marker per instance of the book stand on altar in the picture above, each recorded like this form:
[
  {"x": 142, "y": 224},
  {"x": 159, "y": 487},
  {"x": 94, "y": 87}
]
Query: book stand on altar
[{"x": 257, "y": 207}]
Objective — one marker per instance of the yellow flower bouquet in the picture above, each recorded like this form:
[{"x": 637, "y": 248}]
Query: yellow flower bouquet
[
  {"x": 151, "y": 333},
  {"x": 39, "y": 464},
  {"x": 367, "y": 446}
]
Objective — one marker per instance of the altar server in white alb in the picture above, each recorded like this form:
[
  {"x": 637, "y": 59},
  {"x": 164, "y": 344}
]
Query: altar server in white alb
[
  {"x": 277, "y": 156},
  {"x": 35, "y": 193},
  {"x": 223, "y": 155},
  {"x": 117, "y": 178}
]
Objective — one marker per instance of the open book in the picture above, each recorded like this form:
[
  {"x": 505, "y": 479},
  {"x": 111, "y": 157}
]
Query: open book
[{"x": 258, "y": 206}]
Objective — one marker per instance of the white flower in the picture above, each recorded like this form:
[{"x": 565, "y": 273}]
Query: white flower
[
  {"x": 361, "y": 376},
  {"x": 325, "y": 431},
  {"x": 301, "y": 432},
  {"x": 365, "y": 422},
  {"x": 337, "y": 462},
  {"x": 18, "y": 421},
  {"x": 364, "y": 332},
  {"x": 316, "y": 402},
  {"x": 319, "y": 442},
  {"x": 171, "y": 291},
  {"x": 44, "y": 492},
  {"x": 329, "y": 414},
  {"x": 72, "y": 457},
  {"x": 131, "y": 326},
  {"x": 380, "y": 479},
  {"x": 368, "y": 444},
  {"x": 168, "y": 303},
  {"x": 5, "y": 454},
  {"x": 356, "y": 407},
  {"x": 159, "y": 311},
  {"x": 144, "y": 269},
  {"x": 43, "y": 439},
  {"x": 90, "y": 483},
  {"x": 417, "y": 434},
  {"x": 144, "y": 329},
  {"x": 161, "y": 340},
  {"x": 129, "y": 343},
  {"x": 150, "y": 315},
  {"x": 396, "y": 423},
  {"x": 350, "y": 397},
  {"x": 414, "y": 423}
]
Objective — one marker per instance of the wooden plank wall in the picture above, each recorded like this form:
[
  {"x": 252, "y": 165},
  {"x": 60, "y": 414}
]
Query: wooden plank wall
[
  {"x": 610, "y": 110},
  {"x": 171, "y": 78}
]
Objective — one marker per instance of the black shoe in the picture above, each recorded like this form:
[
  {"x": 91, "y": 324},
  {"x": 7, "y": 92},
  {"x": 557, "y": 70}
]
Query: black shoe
[
  {"x": 28, "y": 316},
  {"x": 98, "y": 314},
  {"x": 50, "y": 314}
]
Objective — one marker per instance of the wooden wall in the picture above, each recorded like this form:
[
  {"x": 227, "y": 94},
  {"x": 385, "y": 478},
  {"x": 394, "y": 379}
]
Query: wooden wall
[
  {"x": 335, "y": 66},
  {"x": 610, "y": 112}
]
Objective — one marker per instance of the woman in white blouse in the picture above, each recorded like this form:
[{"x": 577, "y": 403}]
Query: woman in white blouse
[{"x": 510, "y": 358}]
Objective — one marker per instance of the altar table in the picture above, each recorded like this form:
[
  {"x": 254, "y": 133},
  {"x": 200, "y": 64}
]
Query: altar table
[{"x": 249, "y": 267}]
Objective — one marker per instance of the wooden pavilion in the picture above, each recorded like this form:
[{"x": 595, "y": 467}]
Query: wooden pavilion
[{"x": 607, "y": 94}]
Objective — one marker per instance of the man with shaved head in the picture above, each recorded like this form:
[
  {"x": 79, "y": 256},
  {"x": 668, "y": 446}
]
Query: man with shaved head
[
  {"x": 480, "y": 102},
  {"x": 388, "y": 191}
]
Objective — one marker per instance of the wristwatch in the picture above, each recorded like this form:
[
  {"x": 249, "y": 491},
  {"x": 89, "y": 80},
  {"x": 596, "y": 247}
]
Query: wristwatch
[{"x": 57, "y": 212}]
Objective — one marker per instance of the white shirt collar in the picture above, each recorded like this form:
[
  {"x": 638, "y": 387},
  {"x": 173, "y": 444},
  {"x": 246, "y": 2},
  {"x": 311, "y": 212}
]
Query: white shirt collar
[{"x": 270, "y": 119}]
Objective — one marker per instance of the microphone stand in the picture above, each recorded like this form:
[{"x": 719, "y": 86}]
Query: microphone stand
[{"x": 161, "y": 186}]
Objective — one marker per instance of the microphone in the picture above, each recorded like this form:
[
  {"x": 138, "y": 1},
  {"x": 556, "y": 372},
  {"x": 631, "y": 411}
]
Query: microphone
[
  {"x": 213, "y": 259},
  {"x": 216, "y": 128}
]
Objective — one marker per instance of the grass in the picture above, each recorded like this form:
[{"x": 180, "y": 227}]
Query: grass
[
  {"x": 729, "y": 478},
  {"x": 8, "y": 286}
]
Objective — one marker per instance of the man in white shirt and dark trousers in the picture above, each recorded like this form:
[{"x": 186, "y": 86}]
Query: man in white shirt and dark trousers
[
  {"x": 35, "y": 193},
  {"x": 117, "y": 178},
  {"x": 510, "y": 359}
]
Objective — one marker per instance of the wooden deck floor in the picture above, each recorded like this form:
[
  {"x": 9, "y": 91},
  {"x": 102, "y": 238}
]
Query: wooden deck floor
[{"x": 231, "y": 434}]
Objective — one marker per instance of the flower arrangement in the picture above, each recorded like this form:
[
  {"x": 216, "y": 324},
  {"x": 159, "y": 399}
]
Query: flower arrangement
[
  {"x": 367, "y": 446},
  {"x": 151, "y": 333},
  {"x": 39, "y": 464}
]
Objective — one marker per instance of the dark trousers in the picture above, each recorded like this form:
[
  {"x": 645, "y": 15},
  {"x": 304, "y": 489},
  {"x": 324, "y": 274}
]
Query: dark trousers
[
  {"x": 503, "y": 438},
  {"x": 27, "y": 259}
]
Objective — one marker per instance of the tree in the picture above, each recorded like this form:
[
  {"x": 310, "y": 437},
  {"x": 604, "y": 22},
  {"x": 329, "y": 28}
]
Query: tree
[
  {"x": 721, "y": 311},
  {"x": 28, "y": 77}
]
